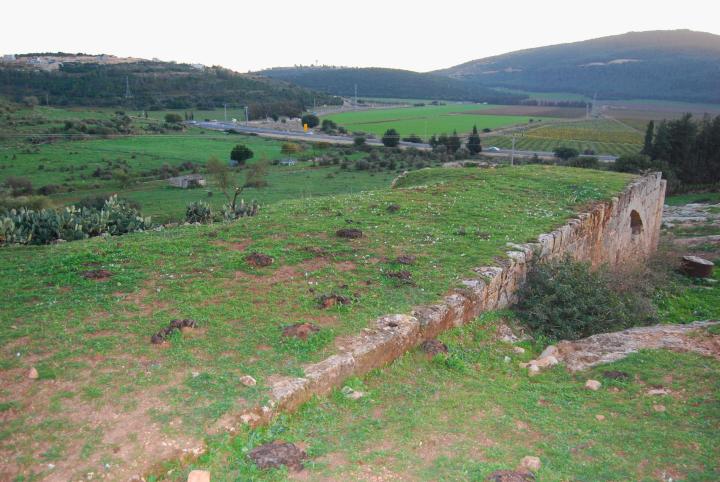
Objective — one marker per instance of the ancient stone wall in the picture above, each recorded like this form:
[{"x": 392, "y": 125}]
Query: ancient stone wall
[{"x": 624, "y": 230}]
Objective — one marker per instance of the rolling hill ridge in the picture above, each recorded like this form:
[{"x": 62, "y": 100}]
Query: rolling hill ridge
[{"x": 666, "y": 64}]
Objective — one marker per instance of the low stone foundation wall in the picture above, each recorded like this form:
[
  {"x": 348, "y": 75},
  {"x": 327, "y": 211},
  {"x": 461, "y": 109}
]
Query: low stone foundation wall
[{"x": 624, "y": 230}]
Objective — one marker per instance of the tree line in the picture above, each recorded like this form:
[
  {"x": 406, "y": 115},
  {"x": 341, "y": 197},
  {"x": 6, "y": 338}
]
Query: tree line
[
  {"x": 686, "y": 150},
  {"x": 157, "y": 86}
]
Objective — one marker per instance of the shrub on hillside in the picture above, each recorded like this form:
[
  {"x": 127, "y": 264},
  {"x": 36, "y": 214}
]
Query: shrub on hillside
[
  {"x": 28, "y": 202},
  {"x": 584, "y": 162},
  {"x": 18, "y": 186},
  {"x": 198, "y": 212},
  {"x": 44, "y": 226},
  {"x": 566, "y": 300}
]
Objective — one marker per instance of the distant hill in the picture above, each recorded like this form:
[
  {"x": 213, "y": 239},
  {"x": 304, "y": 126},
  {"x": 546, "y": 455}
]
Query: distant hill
[
  {"x": 666, "y": 64},
  {"x": 392, "y": 83},
  {"x": 153, "y": 85}
]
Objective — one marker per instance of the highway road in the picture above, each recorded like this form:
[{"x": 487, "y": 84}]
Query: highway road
[{"x": 311, "y": 136}]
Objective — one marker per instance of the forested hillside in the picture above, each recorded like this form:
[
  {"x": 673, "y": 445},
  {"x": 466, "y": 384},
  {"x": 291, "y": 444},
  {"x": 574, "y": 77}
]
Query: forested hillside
[
  {"x": 670, "y": 65},
  {"x": 156, "y": 85},
  {"x": 391, "y": 83}
]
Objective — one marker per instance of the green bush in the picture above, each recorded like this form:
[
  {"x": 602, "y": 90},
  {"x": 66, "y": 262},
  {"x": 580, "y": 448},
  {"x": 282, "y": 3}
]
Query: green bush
[
  {"x": 240, "y": 210},
  {"x": 44, "y": 226},
  {"x": 29, "y": 202},
  {"x": 585, "y": 162},
  {"x": 198, "y": 212},
  {"x": 567, "y": 300}
]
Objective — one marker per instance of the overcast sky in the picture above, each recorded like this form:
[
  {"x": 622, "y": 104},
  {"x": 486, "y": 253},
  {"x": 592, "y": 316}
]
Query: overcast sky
[{"x": 251, "y": 35}]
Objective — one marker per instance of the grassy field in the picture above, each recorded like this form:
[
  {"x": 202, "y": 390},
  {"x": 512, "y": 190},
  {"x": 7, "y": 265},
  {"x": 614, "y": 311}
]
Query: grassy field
[
  {"x": 463, "y": 415},
  {"x": 71, "y": 164},
  {"x": 551, "y": 96},
  {"x": 90, "y": 340},
  {"x": 426, "y": 121},
  {"x": 603, "y": 136}
]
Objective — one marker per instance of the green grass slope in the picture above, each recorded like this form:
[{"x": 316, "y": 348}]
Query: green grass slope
[{"x": 90, "y": 339}]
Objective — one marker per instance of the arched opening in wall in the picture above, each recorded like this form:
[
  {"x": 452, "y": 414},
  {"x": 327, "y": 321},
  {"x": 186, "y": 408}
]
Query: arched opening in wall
[{"x": 636, "y": 224}]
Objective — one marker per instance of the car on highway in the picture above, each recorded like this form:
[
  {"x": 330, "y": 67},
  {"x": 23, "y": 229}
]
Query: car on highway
[{"x": 493, "y": 149}]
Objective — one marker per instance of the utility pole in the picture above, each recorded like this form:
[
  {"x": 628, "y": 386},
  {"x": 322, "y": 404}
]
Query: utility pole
[
  {"x": 512, "y": 154},
  {"x": 247, "y": 118},
  {"x": 356, "y": 95},
  {"x": 127, "y": 87},
  {"x": 225, "y": 106}
]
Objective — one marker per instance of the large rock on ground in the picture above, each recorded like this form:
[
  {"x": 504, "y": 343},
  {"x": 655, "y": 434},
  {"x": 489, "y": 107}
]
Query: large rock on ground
[{"x": 697, "y": 267}]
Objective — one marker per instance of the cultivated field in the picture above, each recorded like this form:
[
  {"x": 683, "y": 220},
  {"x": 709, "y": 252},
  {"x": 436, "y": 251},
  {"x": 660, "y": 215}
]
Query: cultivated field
[
  {"x": 602, "y": 136},
  {"x": 427, "y": 120},
  {"x": 105, "y": 395}
]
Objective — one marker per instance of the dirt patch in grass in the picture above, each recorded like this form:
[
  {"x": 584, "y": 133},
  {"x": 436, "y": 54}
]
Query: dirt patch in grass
[
  {"x": 97, "y": 274},
  {"x": 349, "y": 233},
  {"x": 233, "y": 245},
  {"x": 300, "y": 330},
  {"x": 258, "y": 260}
]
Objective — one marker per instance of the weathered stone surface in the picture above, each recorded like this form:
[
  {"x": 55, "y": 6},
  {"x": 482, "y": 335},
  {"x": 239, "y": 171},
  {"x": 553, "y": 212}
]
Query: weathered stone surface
[
  {"x": 248, "y": 381},
  {"x": 697, "y": 267},
  {"x": 33, "y": 373},
  {"x": 531, "y": 463},
  {"x": 609, "y": 347},
  {"x": 593, "y": 385},
  {"x": 351, "y": 393},
  {"x": 276, "y": 454},
  {"x": 199, "y": 476},
  {"x": 433, "y": 347}
]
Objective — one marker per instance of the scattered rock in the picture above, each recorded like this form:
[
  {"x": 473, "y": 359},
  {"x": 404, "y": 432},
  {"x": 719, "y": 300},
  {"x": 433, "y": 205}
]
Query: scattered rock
[
  {"x": 433, "y": 347},
  {"x": 599, "y": 417},
  {"x": 550, "y": 350},
  {"x": 658, "y": 391},
  {"x": 593, "y": 385},
  {"x": 616, "y": 375},
  {"x": 276, "y": 454},
  {"x": 506, "y": 334},
  {"x": 349, "y": 233},
  {"x": 609, "y": 347},
  {"x": 258, "y": 260},
  {"x": 175, "y": 325},
  {"x": 328, "y": 301},
  {"x": 519, "y": 350},
  {"x": 97, "y": 274},
  {"x": 248, "y": 381},
  {"x": 659, "y": 408},
  {"x": 534, "y": 366},
  {"x": 405, "y": 259},
  {"x": 403, "y": 276},
  {"x": 531, "y": 463},
  {"x": 300, "y": 330},
  {"x": 393, "y": 208},
  {"x": 511, "y": 476},
  {"x": 351, "y": 394},
  {"x": 697, "y": 267},
  {"x": 33, "y": 374},
  {"x": 507, "y": 359},
  {"x": 199, "y": 476},
  {"x": 249, "y": 418}
]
